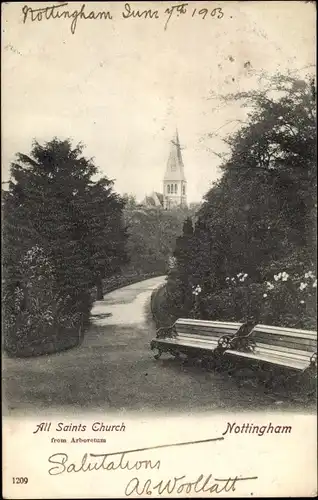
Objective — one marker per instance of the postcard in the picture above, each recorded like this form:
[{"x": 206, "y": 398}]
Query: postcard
[{"x": 159, "y": 279}]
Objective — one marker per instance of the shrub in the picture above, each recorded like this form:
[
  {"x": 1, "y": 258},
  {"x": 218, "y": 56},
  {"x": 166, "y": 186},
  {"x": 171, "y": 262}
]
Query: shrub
[{"x": 36, "y": 313}]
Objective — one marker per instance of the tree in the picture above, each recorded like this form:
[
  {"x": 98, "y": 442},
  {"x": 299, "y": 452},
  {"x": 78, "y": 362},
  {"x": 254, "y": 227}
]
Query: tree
[
  {"x": 259, "y": 219},
  {"x": 54, "y": 203},
  {"x": 272, "y": 172},
  {"x": 102, "y": 211},
  {"x": 183, "y": 256},
  {"x": 152, "y": 236},
  {"x": 130, "y": 201}
]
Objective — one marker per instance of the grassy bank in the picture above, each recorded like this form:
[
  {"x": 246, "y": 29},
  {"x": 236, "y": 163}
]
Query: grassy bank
[{"x": 50, "y": 344}]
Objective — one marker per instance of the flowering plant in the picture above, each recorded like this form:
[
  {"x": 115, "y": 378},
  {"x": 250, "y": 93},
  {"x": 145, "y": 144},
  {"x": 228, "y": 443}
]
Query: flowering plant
[
  {"x": 290, "y": 299},
  {"x": 236, "y": 280},
  {"x": 284, "y": 298},
  {"x": 36, "y": 310},
  {"x": 196, "y": 290},
  {"x": 297, "y": 282}
]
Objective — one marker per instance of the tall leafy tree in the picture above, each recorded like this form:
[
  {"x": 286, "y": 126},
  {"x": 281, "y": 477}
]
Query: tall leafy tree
[
  {"x": 54, "y": 203},
  {"x": 260, "y": 217}
]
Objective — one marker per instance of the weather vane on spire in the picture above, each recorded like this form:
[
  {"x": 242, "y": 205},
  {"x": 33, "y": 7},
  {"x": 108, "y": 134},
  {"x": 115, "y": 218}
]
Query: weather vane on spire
[{"x": 176, "y": 142}]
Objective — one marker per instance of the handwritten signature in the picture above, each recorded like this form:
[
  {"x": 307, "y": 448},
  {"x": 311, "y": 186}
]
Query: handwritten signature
[
  {"x": 202, "y": 484},
  {"x": 60, "y": 11}
]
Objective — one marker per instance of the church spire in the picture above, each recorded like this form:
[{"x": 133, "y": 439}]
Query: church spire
[
  {"x": 175, "y": 167},
  {"x": 174, "y": 181}
]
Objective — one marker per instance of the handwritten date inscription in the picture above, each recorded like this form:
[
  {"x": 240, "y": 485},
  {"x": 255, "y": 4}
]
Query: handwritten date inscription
[{"x": 62, "y": 11}]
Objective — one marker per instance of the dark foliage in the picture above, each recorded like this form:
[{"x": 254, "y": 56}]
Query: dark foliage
[
  {"x": 253, "y": 245},
  {"x": 152, "y": 236},
  {"x": 69, "y": 228}
]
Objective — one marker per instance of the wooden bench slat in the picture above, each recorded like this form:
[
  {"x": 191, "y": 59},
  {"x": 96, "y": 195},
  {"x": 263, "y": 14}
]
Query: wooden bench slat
[
  {"x": 276, "y": 360},
  {"x": 197, "y": 337},
  {"x": 201, "y": 322},
  {"x": 200, "y": 329},
  {"x": 194, "y": 343},
  {"x": 283, "y": 344},
  {"x": 287, "y": 352},
  {"x": 285, "y": 331},
  {"x": 280, "y": 335},
  {"x": 193, "y": 328},
  {"x": 271, "y": 353},
  {"x": 280, "y": 348},
  {"x": 288, "y": 345},
  {"x": 214, "y": 333}
]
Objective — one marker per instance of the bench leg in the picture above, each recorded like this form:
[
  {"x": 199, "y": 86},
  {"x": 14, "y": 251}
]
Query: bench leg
[
  {"x": 157, "y": 356},
  {"x": 190, "y": 360},
  {"x": 210, "y": 363},
  {"x": 175, "y": 354}
]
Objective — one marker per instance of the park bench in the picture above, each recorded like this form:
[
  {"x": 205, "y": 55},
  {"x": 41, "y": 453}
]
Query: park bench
[
  {"x": 194, "y": 337},
  {"x": 272, "y": 345},
  {"x": 261, "y": 344}
]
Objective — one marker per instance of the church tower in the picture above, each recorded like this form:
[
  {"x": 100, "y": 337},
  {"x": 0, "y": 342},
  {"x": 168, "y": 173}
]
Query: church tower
[{"x": 174, "y": 181}]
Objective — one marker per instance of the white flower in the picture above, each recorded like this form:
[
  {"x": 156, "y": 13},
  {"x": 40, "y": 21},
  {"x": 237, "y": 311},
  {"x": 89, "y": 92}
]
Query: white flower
[
  {"x": 197, "y": 290},
  {"x": 276, "y": 277},
  {"x": 309, "y": 274},
  {"x": 314, "y": 285},
  {"x": 239, "y": 274},
  {"x": 232, "y": 279},
  {"x": 245, "y": 275},
  {"x": 227, "y": 279},
  {"x": 285, "y": 276},
  {"x": 302, "y": 286},
  {"x": 264, "y": 295},
  {"x": 269, "y": 285},
  {"x": 302, "y": 301}
]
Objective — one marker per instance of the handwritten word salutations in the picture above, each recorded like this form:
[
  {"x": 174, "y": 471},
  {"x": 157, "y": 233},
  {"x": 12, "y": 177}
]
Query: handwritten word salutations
[
  {"x": 70, "y": 427},
  {"x": 259, "y": 430},
  {"x": 100, "y": 461},
  {"x": 202, "y": 484},
  {"x": 62, "y": 11}
]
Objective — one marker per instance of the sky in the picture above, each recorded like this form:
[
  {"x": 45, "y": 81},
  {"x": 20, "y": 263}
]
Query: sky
[{"x": 122, "y": 86}]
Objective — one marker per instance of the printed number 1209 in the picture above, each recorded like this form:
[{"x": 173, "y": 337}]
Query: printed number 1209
[{"x": 20, "y": 480}]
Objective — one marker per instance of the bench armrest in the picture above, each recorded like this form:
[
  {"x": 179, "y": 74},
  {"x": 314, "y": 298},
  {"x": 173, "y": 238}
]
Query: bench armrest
[
  {"x": 166, "y": 332},
  {"x": 237, "y": 342},
  {"x": 225, "y": 341}
]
